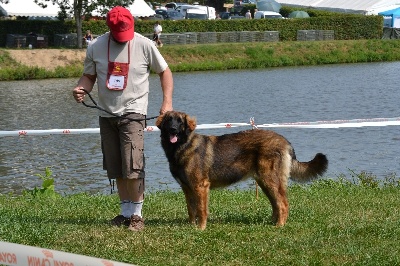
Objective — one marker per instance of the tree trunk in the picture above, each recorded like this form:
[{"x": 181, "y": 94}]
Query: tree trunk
[{"x": 78, "y": 22}]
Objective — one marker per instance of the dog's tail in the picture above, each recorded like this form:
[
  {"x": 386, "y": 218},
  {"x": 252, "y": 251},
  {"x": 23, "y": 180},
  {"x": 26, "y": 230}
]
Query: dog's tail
[{"x": 305, "y": 171}]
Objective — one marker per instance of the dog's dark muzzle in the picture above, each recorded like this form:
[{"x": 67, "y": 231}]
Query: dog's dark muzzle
[
  {"x": 173, "y": 131},
  {"x": 174, "y": 127}
]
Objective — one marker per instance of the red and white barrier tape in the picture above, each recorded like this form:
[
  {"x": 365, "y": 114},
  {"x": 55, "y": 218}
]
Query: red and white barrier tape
[
  {"x": 372, "y": 122},
  {"x": 21, "y": 255}
]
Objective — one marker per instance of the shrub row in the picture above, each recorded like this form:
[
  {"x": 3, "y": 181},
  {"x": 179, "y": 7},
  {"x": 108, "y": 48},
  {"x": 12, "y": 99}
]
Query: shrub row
[{"x": 345, "y": 26}]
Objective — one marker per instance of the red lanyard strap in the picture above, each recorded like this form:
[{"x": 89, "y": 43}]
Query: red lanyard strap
[{"x": 129, "y": 50}]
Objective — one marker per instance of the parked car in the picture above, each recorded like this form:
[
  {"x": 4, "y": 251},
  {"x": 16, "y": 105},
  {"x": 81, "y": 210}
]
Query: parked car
[
  {"x": 267, "y": 14},
  {"x": 174, "y": 15},
  {"x": 156, "y": 17},
  {"x": 224, "y": 15},
  {"x": 247, "y": 2},
  {"x": 194, "y": 13},
  {"x": 236, "y": 17},
  {"x": 170, "y": 14},
  {"x": 208, "y": 10},
  {"x": 173, "y": 5},
  {"x": 162, "y": 12}
]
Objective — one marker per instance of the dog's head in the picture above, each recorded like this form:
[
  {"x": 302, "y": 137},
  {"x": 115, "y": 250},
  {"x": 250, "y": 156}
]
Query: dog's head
[{"x": 175, "y": 126}]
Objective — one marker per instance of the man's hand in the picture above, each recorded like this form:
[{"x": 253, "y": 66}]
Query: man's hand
[
  {"x": 79, "y": 94},
  {"x": 163, "y": 110}
]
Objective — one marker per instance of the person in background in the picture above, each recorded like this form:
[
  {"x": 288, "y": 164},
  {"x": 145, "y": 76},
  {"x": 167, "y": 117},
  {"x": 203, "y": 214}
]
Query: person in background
[
  {"x": 88, "y": 37},
  {"x": 248, "y": 14},
  {"x": 120, "y": 62},
  {"x": 157, "y": 34}
]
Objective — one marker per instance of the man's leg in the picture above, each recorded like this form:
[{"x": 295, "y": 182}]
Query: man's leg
[
  {"x": 131, "y": 194},
  {"x": 117, "y": 150},
  {"x": 132, "y": 191},
  {"x": 131, "y": 187},
  {"x": 159, "y": 40},
  {"x": 110, "y": 145}
]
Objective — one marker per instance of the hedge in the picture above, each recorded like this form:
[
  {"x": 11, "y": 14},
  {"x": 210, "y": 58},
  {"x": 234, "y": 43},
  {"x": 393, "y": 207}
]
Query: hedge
[{"x": 345, "y": 26}]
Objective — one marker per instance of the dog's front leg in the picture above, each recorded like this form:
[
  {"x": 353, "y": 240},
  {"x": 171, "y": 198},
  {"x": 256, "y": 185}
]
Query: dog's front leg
[
  {"x": 190, "y": 203},
  {"x": 201, "y": 193}
]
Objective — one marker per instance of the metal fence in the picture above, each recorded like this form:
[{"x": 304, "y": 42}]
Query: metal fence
[
  {"x": 315, "y": 35},
  {"x": 218, "y": 37},
  {"x": 240, "y": 36},
  {"x": 70, "y": 40}
]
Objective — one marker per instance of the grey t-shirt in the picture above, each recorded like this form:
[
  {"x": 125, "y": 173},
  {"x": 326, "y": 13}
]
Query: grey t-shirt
[{"x": 144, "y": 56}]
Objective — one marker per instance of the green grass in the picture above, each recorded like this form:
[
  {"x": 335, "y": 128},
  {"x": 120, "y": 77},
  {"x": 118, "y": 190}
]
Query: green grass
[
  {"x": 278, "y": 54},
  {"x": 330, "y": 223},
  {"x": 223, "y": 56}
]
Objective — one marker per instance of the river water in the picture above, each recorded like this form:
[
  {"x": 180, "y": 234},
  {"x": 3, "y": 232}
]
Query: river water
[{"x": 276, "y": 95}]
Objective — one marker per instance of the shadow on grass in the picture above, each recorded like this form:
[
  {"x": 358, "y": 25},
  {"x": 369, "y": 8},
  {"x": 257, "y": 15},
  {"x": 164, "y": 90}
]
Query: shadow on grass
[
  {"x": 22, "y": 219},
  {"x": 218, "y": 219},
  {"x": 241, "y": 218},
  {"x": 167, "y": 221}
]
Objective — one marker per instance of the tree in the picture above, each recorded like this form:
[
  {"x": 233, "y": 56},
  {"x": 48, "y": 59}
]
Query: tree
[{"x": 81, "y": 9}]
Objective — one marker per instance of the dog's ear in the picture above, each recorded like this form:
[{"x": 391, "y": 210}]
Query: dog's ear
[
  {"x": 159, "y": 121},
  {"x": 191, "y": 123}
]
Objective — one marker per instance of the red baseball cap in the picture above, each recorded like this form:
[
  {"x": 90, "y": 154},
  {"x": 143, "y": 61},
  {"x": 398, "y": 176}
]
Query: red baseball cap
[{"x": 121, "y": 24}]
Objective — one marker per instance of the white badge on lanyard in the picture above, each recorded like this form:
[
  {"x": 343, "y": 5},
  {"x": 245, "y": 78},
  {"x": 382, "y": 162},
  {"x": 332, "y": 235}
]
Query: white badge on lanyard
[{"x": 116, "y": 82}]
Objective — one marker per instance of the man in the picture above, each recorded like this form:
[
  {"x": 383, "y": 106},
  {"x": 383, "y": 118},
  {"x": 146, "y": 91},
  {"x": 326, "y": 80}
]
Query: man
[
  {"x": 248, "y": 14},
  {"x": 157, "y": 34},
  {"x": 120, "y": 61}
]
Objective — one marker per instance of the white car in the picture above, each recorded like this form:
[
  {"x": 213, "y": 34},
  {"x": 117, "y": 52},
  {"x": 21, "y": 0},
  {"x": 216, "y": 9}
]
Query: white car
[
  {"x": 267, "y": 14},
  {"x": 197, "y": 14},
  {"x": 247, "y": 2}
]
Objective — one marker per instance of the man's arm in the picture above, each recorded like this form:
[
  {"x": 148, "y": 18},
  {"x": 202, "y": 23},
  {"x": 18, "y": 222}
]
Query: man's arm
[{"x": 167, "y": 85}]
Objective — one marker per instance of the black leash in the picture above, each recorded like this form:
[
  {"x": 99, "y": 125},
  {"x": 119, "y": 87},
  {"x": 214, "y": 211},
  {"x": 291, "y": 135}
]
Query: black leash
[{"x": 102, "y": 109}]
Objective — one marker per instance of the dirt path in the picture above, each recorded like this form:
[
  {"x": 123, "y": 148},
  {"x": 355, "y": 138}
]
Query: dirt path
[{"x": 48, "y": 58}]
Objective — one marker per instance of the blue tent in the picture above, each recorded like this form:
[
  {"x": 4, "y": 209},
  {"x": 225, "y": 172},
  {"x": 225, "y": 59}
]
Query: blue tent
[{"x": 395, "y": 17}]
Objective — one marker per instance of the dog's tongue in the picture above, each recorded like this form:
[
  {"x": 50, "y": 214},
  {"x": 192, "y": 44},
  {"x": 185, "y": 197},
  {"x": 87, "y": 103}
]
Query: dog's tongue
[{"x": 173, "y": 138}]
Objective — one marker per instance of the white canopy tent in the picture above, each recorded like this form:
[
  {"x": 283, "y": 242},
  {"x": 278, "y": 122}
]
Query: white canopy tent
[
  {"x": 27, "y": 8},
  {"x": 367, "y": 7},
  {"x": 140, "y": 8}
]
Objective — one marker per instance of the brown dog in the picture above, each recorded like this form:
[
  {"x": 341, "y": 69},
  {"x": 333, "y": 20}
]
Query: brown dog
[{"x": 200, "y": 163}]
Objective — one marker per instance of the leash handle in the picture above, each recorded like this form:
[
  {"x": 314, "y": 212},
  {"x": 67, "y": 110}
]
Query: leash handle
[
  {"x": 91, "y": 98},
  {"x": 108, "y": 112}
]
